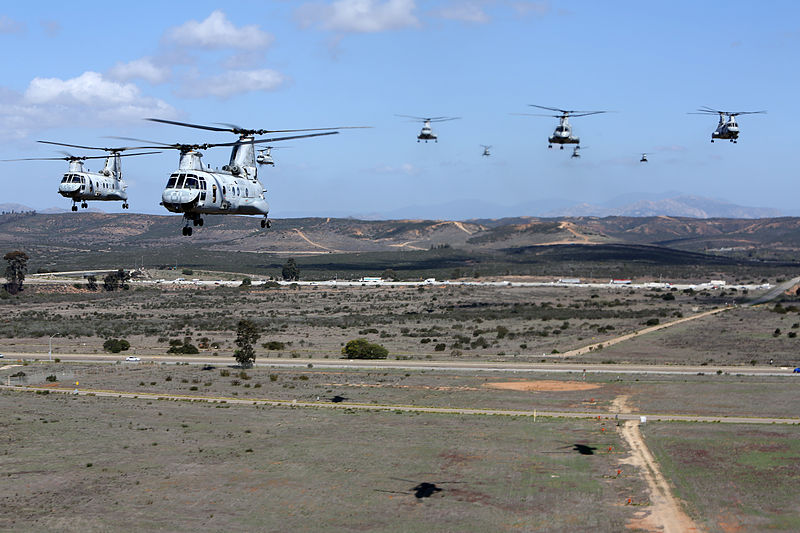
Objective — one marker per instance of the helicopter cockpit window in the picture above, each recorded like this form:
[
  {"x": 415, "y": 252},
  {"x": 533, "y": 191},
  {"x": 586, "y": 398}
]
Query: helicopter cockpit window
[
  {"x": 179, "y": 185},
  {"x": 202, "y": 183},
  {"x": 66, "y": 179},
  {"x": 76, "y": 179},
  {"x": 191, "y": 183},
  {"x": 171, "y": 181}
]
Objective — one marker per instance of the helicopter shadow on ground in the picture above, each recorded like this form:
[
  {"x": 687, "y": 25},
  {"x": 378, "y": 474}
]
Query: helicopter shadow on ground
[
  {"x": 582, "y": 449},
  {"x": 423, "y": 489}
]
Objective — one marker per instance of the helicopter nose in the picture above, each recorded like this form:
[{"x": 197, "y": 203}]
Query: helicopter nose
[
  {"x": 178, "y": 196},
  {"x": 68, "y": 187}
]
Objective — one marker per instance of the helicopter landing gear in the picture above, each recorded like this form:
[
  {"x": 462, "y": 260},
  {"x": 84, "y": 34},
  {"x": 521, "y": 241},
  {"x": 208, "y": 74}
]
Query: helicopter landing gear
[
  {"x": 125, "y": 205},
  {"x": 85, "y": 205},
  {"x": 266, "y": 223},
  {"x": 549, "y": 145},
  {"x": 712, "y": 140},
  {"x": 196, "y": 220},
  {"x": 74, "y": 207},
  {"x": 561, "y": 147}
]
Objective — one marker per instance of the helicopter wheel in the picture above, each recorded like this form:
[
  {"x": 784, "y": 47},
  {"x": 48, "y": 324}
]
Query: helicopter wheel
[
  {"x": 263, "y": 223},
  {"x": 712, "y": 140},
  {"x": 74, "y": 207},
  {"x": 549, "y": 145},
  {"x": 200, "y": 222},
  {"x": 561, "y": 147}
]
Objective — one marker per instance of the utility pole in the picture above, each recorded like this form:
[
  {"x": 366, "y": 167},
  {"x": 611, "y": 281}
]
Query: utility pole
[{"x": 50, "y": 351}]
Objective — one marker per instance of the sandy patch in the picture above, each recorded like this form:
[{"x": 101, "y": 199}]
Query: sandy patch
[{"x": 542, "y": 385}]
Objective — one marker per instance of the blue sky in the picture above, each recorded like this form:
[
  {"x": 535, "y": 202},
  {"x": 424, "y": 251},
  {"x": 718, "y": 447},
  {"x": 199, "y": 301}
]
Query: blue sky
[{"x": 77, "y": 72}]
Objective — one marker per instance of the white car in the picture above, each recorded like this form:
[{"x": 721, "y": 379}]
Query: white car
[
  {"x": 1, "y": 356},
  {"x": 132, "y": 358}
]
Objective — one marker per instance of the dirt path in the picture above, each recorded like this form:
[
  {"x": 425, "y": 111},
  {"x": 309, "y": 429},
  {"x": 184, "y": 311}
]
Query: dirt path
[
  {"x": 665, "y": 513},
  {"x": 621, "y": 338},
  {"x": 407, "y": 244},
  {"x": 312, "y": 243}
]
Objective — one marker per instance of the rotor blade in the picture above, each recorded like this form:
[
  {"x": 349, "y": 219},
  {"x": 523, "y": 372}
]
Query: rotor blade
[
  {"x": 535, "y": 115},
  {"x": 747, "y": 113},
  {"x": 410, "y": 116},
  {"x": 587, "y": 113},
  {"x": 550, "y": 108},
  {"x": 140, "y": 153},
  {"x": 186, "y": 124},
  {"x": 65, "y": 158},
  {"x": 276, "y": 139},
  {"x": 105, "y": 149},
  {"x": 706, "y": 109},
  {"x": 444, "y": 119}
]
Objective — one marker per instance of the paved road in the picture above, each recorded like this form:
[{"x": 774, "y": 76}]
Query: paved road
[
  {"x": 459, "y": 366},
  {"x": 775, "y": 292},
  {"x": 660, "y": 417}
]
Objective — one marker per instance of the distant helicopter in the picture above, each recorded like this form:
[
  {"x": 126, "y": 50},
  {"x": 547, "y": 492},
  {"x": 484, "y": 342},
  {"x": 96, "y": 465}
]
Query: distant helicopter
[
  {"x": 576, "y": 152},
  {"x": 264, "y": 155},
  {"x": 643, "y": 159},
  {"x": 486, "y": 152},
  {"x": 727, "y": 127},
  {"x": 426, "y": 133},
  {"x": 195, "y": 190},
  {"x": 82, "y": 186},
  {"x": 563, "y": 133}
]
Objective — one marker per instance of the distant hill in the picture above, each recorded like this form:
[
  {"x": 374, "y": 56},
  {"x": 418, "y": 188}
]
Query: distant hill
[{"x": 681, "y": 206}]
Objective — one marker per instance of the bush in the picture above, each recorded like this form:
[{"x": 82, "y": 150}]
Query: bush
[
  {"x": 440, "y": 347},
  {"x": 651, "y": 322},
  {"x": 51, "y": 378},
  {"x": 363, "y": 349},
  {"x": 116, "y": 345},
  {"x": 274, "y": 345}
]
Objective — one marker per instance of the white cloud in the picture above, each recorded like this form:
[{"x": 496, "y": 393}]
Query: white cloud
[
  {"x": 464, "y": 12},
  {"x": 360, "y": 16},
  {"x": 9, "y": 25},
  {"x": 51, "y": 27},
  {"x": 217, "y": 31},
  {"x": 88, "y": 99},
  {"x": 232, "y": 82},
  {"x": 142, "y": 68},
  {"x": 405, "y": 168},
  {"x": 532, "y": 8}
]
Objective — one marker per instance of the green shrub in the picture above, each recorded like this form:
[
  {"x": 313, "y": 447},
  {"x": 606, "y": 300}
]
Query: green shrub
[
  {"x": 51, "y": 378},
  {"x": 363, "y": 349},
  {"x": 116, "y": 345}
]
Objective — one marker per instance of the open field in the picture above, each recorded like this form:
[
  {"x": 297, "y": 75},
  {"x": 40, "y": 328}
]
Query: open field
[
  {"x": 91, "y": 464},
  {"x": 431, "y": 322},
  {"x": 739, "y": 478}
]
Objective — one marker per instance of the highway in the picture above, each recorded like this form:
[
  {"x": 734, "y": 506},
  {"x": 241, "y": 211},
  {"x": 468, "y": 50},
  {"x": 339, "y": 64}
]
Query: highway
[{"x": 385, "y": 364}]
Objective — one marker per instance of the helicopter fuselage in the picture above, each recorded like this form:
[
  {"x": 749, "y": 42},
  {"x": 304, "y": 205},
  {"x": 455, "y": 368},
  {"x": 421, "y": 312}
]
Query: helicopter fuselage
[
  {"x": 83, "y": 186},
  {"x": 206, "y": 192},
  {"x": 563, "y": 134}
]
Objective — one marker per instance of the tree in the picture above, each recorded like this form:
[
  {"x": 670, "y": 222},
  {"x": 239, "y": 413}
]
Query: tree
[
  {"x": 246, "y": 337},
  {"x": 389, "y": 274},
  {"x": 91, "y": 283},
  {"x": 363, "y": 349},
  {"x": 290, "y": 271},
  {"x": 116, "y": 280},
  {"x": 15, "y": 271}
]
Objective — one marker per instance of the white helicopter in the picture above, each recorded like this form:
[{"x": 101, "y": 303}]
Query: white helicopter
[
  {"x": 80, "y": 185},
  {"x": 486, "y": 152},
  {"x": 576, "y": 152},
  {"x": 643, "y": 159},
  {"x": 563, "y": 133},
  {"x": 727, "y": 129},
  {"x": 426, "y": 133},
  {"x": 264, "y": 155},
  {"x": 195, "y": 190}
]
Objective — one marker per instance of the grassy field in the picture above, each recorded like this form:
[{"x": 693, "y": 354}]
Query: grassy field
[
  {"x": 98, "y": 464},
  {"x": 739, "y": 478},
  {"x": 455, "y": 322}
]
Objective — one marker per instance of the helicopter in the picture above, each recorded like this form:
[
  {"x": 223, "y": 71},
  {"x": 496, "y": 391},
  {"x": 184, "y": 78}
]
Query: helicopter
[
  {"x": 643, "y": 159},
  {"x": 80, "y": 185},
  {"x": 727, "y": 127},
  {"x": 426, "y": 133},
  {"x": 486, "y": 152},
  {"x": 576, "y": 152},
  {"x": 195, "y": 190},
  {"x": 563, "y": 133}
]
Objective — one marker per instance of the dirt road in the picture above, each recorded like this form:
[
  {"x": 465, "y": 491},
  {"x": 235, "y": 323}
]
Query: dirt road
[{"x": 665, "y": 513}]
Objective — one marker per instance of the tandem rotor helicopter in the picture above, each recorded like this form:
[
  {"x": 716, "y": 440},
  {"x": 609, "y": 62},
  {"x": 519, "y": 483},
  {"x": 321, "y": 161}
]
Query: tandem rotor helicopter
[
  {"x": 80, "y": 185},
  {"x": 727, "y": 129},
  {"x": 486, "y": 148},
  {"x": 195, "y": 190},
  {"x": 426, "y": 133},
  {"x": 563, "y": 133}
]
